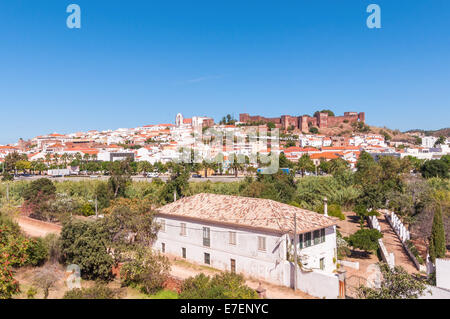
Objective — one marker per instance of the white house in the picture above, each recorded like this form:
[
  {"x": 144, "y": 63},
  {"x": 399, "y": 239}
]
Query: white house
[{"x": 252, "y": 236}]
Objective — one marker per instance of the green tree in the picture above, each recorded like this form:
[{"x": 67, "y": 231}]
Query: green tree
[
  {"x": 396, "y": 283},
  {"x": 222, "y": 286},
  {"x": 329, "y": 112},
  {"x": 271, "y": 125},
  {"x": 440, "y": 141},
  {"x": 38, "y": 196},
  {"x": 305, "y": 164},
  {"x": 23, "y": 166},
  {"x": 236, "y": 164},
  {"x": 120, "y": 177},
  {"x": 435, "y": 168},
  {"x": 284, "y": 162},
  {"x": 8, "y": 285},
  {"x": 86, "y": 243},
  {"x": 147, "y": 271},
  {"x": 363, "y": 213},
  {"x": 130, "y": 223},
  {"x": 437, "y": 246},
  {"x": 365, "y": 239},
  {"x": 177, "y": 184},
  {"x": 334, "y": 210},
  {"x": 368, "y": 177},
  {"x": 145, "y": 167}
]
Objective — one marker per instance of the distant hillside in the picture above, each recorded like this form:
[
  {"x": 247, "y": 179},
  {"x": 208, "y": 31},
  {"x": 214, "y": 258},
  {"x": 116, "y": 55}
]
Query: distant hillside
[{"x": 442, "y": 132}]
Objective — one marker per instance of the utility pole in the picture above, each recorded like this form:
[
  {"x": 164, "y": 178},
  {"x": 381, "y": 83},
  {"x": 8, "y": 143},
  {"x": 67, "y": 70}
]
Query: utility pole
[
  {"x": 7, "y": 191},
  {"x": 96, "y": 207},
  {"x": 295, "y": 252}
]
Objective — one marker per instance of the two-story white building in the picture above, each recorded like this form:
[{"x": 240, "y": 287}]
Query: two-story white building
[{"x": 254, "y": 237}]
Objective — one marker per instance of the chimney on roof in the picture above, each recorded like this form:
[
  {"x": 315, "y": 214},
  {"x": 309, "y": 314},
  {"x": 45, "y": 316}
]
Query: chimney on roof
[{"x": 325, "y": 206}]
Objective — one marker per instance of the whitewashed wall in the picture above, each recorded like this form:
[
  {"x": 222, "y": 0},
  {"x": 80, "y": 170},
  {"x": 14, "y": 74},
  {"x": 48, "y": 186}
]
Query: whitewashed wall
[
  {"x": 249, "y": 260},
  {"x": 319, "y": 284},
  {"x": 311, "y": 255},
  {"x": 443, "y": 273},
  {"x": 270, "y": 265}
]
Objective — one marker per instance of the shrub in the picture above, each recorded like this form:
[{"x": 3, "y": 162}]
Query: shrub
[
  {"x": 8, "y": 285},
  {"x": 365, "y": 239},
  {"x": 53, "y": 247},
  {"x": 333, "y": 210},
  {"x": 31, "y": 293},
  {"x": 86, "y": 209},
  {"x": 37, "y": 252},
  {"x": 414, "y": 251},
  {"x": 225, "y": 285},
  {"x": 147, "y": 272},
  {"x": 396, "y": 283},
  {"x": 99, "y": 291},
  {"x": 86, "y": 245},
  {"x": 45, "y": 278}
]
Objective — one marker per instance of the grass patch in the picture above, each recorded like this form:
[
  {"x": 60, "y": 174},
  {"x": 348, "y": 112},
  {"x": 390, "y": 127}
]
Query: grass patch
[
  {"x": 186, "y": 264},
  {"x": 164, "y": 294}
]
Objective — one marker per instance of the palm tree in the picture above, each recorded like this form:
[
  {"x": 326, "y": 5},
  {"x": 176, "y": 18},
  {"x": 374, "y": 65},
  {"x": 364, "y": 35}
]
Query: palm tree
[
  {"x": 64, "y": 158},
  {"x": 78, "y": 157},
  {"x": 305, "y": 164},
  {"x": 235, "y": 165},
  {"x": 48, "y": 158}
]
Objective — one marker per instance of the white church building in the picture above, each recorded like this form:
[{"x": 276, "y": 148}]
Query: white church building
[{"x": 254, "y": 237}]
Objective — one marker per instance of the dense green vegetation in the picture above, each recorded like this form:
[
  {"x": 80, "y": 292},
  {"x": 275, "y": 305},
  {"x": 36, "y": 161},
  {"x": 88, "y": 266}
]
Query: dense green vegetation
[
  {"x": 16, "y": 250},
  {"x": 222, "y": 286}
]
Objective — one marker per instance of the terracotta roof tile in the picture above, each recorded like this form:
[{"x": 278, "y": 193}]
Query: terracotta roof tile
[{"x": 249, "y": 212}]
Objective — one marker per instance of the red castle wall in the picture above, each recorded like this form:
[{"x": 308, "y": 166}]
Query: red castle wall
[{"x": 321, "y": 120}]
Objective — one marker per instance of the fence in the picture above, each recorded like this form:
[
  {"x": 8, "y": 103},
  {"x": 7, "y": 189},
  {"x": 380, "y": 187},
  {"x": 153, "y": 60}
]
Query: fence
[{"x": 403, "y": 234}]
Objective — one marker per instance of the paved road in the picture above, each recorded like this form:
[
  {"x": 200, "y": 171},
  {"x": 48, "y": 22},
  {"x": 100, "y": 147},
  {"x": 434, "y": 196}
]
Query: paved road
[{"x": 225, "y": 179}]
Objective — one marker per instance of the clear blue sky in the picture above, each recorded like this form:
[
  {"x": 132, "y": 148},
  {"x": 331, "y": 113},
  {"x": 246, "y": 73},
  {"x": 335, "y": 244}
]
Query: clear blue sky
[{"x": 140, "y": 62}]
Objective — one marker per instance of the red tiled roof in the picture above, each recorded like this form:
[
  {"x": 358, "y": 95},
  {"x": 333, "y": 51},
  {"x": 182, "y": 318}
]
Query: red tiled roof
[
  {"x": 249, "y": 212},
  {"x": 326, "y": 155}
]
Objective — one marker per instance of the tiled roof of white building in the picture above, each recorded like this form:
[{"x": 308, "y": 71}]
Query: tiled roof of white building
[{"x": 247, "y": 212}]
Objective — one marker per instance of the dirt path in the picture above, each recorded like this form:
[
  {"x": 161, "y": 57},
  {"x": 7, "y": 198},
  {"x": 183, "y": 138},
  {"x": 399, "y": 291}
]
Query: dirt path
[
  {"x": 37, "y": 228},
  {"x": 394, "y": 245},
  {"x": 356, "y": 277},
  {"x": 183, "y": 270}
]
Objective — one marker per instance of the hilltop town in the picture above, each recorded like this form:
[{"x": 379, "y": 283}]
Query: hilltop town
[{"x": 323, "y": 137}]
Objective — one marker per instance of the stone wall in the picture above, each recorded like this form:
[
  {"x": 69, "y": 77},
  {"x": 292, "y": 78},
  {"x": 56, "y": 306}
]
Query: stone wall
[{"x": 321, "y": 120}]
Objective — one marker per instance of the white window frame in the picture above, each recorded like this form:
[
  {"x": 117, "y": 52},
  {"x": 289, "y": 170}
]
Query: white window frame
[
  {"x": 262, "y": 243},
  {"x": 232, "y": 238},
  {"x": 183, "y": 229}
]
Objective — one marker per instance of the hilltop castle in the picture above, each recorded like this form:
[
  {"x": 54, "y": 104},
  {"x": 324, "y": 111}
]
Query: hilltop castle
[{"x": 320, "y": 120}]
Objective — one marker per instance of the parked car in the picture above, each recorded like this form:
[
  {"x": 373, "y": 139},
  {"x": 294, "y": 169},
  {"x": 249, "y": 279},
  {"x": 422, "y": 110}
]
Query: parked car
[
  {"x": 152, "y": 174},
  {"x": 196, "y": 176}
]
